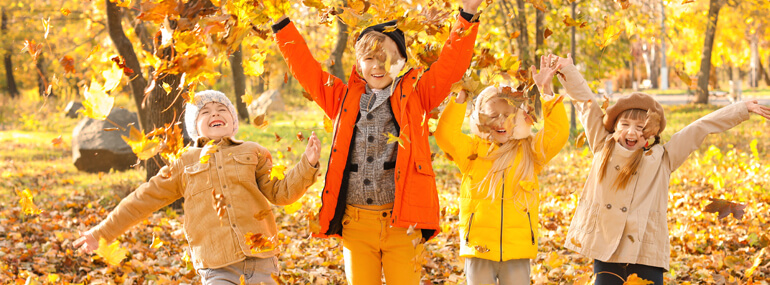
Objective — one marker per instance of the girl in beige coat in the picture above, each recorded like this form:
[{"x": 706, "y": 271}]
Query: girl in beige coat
[{"x": 620, "y": 221}]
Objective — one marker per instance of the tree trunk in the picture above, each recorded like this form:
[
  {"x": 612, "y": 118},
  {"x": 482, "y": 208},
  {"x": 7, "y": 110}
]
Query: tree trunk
[
  {"x": 335, "y": 65},
  {"x": 8, "y": 59},
  {"x": 523, "y": 39},
  {"x": 503, "y": 14},
  {"x": 702, "y": 92},
  {"x": 126, "y": 50},
  {"x": 239, "y": 83},
  {"x": 539, "y": 36},
  {"x": 754, "y": 60},
  {"x": 654, "y": 70},
  {"x": 763, "y": 72}
]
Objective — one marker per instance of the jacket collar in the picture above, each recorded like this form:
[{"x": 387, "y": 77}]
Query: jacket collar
[{"x": 201, "y": 141}]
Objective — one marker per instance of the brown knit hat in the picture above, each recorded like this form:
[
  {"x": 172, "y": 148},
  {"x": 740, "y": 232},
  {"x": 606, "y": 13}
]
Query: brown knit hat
[{"x": 633, "y": 101}]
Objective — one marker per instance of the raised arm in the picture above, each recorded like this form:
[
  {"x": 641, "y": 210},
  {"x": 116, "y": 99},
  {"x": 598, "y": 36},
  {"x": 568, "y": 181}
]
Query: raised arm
[
  {"x": 689, "y": 139},
  {"x": 297, "y": 180},
  {"x": 449, "y": 136},
  {"x": 325, "y": 89},
  {"x": 162, "y": 189},
  {"x": 454, "y": 59},
  {"x": 552, "y": 138},
  {"x": 585, "y": 102}
]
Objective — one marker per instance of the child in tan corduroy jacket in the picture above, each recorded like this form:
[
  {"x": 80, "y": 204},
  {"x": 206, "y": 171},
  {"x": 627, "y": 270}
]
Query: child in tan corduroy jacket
[
  {"x": 620, "y": 221},
  {"x": 236, "y": 176}
]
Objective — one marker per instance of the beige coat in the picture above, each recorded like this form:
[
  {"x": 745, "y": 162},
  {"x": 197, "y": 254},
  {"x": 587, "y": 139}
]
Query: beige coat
[
  {"x": 240, "y": 171},
  {"x": 629, "y": 225}
]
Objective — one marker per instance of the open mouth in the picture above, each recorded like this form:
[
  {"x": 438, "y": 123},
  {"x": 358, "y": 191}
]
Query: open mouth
[
  {"x": 378, "y": 75},
  {"x": 630, "y": 142},
  {"x": 501, "y": 131},
  {"x": 217, "y": 124}
]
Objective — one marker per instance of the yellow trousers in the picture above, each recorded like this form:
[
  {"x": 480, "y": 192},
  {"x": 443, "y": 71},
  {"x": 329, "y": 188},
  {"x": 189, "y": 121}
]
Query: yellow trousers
[{"x": 372, "y": 246}]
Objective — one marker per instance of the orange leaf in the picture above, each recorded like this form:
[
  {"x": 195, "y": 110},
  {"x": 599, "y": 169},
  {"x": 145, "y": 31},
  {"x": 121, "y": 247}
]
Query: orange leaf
[
  {"x": 636, "y": 280},
  {"x": 65, "y": 11},
  {"x": 220, "y": 204},
  {"x": 68, "y": 63},
  {"x": 580, "y": 140},
  {"x": 57, "y": 141}
]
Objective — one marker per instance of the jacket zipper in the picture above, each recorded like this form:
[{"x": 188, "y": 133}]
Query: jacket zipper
[
  {"x": 502, "y": 215},
  {"x": 531, "y": 232},
  {"x": 468, "y": 232}
]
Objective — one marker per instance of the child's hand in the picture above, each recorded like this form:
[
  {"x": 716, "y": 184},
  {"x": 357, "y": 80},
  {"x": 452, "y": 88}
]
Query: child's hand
[
  {"x": 544, "y": 78},
  {"x": 86, "y": 242},
  {"x": 313, "y": 149},
  {"x": 561, "y": 61},
  {"x": 461, "y": 97},
  {"x": 471, "y": 6},
  {"x": 755, "y": 108}
]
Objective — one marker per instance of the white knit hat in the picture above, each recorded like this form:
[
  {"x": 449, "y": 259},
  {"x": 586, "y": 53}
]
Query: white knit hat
[{"x": 201, "y": 99}]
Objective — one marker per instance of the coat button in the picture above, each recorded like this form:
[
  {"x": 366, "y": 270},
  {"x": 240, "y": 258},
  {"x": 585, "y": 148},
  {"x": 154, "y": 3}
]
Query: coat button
[
  {"x": 384, "y": 214},
  {"x": 220, "y": 167},
  {"x": 617, "y": 167},
  {"x": 609, "y": 206},
  {"x": 367, "y": 181},
  {"x": 369, "y": 201},
  {"x": 224, "y": 186},
  {"x": 369, "y": 159},
  {"x": 419, "y": 167},
  {"x": 624, "y": 209},
  {"x": 370, "y": 138},
  {"x": 369, "y": 116}
]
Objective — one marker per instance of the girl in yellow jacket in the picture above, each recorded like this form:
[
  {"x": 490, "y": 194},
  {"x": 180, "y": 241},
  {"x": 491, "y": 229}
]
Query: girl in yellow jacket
[
  {"x": 500, "y": 162},
  {"x": 620, "y": 220}
]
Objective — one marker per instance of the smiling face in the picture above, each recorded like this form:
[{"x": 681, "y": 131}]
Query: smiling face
[
  {"x": 629, "y": 127},
  {"x": 501, "y": 122},
  {"x": 378, "y": 59},
  {"x": 215, "y": 121}
]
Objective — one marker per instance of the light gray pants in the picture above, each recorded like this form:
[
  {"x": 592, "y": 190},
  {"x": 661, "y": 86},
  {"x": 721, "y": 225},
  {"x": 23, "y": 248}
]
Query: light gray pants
[
  {"x": 254, "y": 271},
  {"x": 480, "y": 271}
]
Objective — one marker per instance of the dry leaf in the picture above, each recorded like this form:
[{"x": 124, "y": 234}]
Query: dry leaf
[{"x": 112, "y": 253}]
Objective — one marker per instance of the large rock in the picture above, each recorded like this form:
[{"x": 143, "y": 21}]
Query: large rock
[
  {"x": 97, "y": 150},
  {"x": 270, "y": 100},
  {"x": 71, "y": 111}
]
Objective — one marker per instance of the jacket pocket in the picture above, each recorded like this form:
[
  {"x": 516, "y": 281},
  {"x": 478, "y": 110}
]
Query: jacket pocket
[
  {"x": 198, "y": 178},
  {"x": 246, "y": 167},
  {"x": 424, "y": 167},
  {"x": 651, "y": 225},
  {"x": 589, "y": 223}
]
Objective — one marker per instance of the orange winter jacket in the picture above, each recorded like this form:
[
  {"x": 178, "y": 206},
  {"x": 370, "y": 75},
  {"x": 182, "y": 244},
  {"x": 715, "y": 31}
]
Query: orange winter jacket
[{"x": 418, "y": 92}]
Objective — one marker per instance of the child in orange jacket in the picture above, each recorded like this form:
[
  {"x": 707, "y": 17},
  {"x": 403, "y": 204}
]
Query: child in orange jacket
[{"x": 376, "y": 191}]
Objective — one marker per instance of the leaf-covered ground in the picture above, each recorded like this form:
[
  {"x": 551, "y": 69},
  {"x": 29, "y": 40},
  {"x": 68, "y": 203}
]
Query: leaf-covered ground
[{"x": 734, "y": 166}]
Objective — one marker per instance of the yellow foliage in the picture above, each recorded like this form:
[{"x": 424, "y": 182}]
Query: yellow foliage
[
  {"x": 112, "y": 253},
  {"x": 26, "y": 203},
  {"x": 143, "y": 148},
  {"x": 97, "y": 103},
  {"x": 293, "y": 207},
  {"x": 277, "y": 172}
]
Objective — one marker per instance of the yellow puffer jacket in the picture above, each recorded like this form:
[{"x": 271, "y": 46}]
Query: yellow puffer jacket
[{"x": 504, "y": 227}]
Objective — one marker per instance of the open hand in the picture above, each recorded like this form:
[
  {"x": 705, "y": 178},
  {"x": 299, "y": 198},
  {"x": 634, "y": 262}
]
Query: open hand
[
  {"x": 86, "y": 242},
  {"x": 313, "y": 149},
  {"x": 548, "y": 68},
  {"x": 471, "y": 6},
  {"x": 462, "y": 96},
  {"x": 562, "y": 61},
  {"x": 755, "y": 108}
]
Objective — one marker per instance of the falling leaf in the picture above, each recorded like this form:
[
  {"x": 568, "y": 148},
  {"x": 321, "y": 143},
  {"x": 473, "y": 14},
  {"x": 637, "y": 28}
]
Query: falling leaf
[
  {"x": 57, "y": 141},
  {"x": 481, "y": 249},
  {"x": 293, "y": 207},
  {"x": 300, "y": 137},
  {"x": 683, "y": 76},
  {"x": 393, "y": 138},
  {"x": 25, "y": 201},
  {"x": 46, "y": 27},
  {"x": 277, "y": 137},
  {"x": 651, "y": 124},
  {"x": 277, "y": 172},
  {"x": 112, "y": 78},
  {"x": 208, "y": 149},
  {"x": 636, "y": 280},
  {"x": 314, "y": 4},
  {"x": 725, "y": 208},
  {"x": 580, "y": 140},
  {"x": 547, "y": 33},
  {"x": 624, "y": 4},
  {"x": 575, "y": 242},
  {"x": 572, "y": 22},
  {"x": 259, "y": 242},
  {"x": 473, "y": 156},
  {"x": 605, "y": 104},
  {"x": 247, "y": 99},
  {"x": 97, "y": 104},
  {"x": 307, "y": 95},
  {"x": 32, "y": 48},
  {"x": 609, "y": 34},
  {"x": 260, "y": 122},
  {"x": 141, "y": 146},
  {"x": 261, "y": 215},
  {"x": 757, "y": 262},
  {"x": 65, "y": 11},
  {"x": 539, "y": 4},
  {"x": 329, "y": 81},
  {"x": 112, "y": 254},
  {"x": 410, "y": 230},
  {"x": 471, "y": 84},
  {"x": 220, "y": 204},
  {"x": 328, "y": 124},
  {"x": 68, "y": 63},
  {"x": 118, "y": 60}
]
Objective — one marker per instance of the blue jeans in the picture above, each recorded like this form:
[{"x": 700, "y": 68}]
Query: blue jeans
[{"x": 650, "y": 273}]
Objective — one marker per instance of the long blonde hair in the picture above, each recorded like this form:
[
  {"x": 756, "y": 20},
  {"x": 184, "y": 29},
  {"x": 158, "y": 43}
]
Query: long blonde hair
[
  {"x": 626, "y": 171},
  {"x": 503, "y": 157}
]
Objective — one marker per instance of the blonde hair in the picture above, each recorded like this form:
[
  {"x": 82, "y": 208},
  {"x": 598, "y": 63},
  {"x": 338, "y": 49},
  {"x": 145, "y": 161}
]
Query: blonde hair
[
  {"x": 370, "y": 44},
  {"x": 628, "y": 170},
  {"x": 503, "y": 158}
]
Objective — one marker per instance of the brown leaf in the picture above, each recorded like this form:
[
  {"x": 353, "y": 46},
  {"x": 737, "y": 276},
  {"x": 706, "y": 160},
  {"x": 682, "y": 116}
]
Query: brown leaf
[
  {"x": 260, "y": 122},
  {"x": 277, "y": 137},
  {"x": 122, "y": 64},
  {"x": 481, "y": 248},
  {"x": 547, "y": 33},
  {"x": 285, "y": 78},
  {"x": 725, "y": 208},
  {"x": 473, "y": 156},
  {"x": 68, "y": 63},
  {"x": 651, "y": 124},
  {"x": 261, "y": 215},
  {"x": 300, "y": 137},
  {"x": 307, "y": 96}
]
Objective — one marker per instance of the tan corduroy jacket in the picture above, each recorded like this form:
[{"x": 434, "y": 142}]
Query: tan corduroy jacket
[
  {"x": 238, "y": 170},
  {"x": 629, "y": 225}
]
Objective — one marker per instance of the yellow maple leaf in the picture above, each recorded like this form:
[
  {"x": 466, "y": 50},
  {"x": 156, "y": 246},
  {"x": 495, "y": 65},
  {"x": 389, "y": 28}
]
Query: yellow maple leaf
[
  {"x": 609, "y": 34},
  {"x": 143, "y": 148},
  {"x": 328, "y": 125},
  {"x": 97, "y": 103},
  {"x": 393, "y": 138},
  {"x": 112, "y": 253},
  {"x": 112, "y": 77},
  {"x": 636, "y": 280},
  {"x": 26, "y": 203},
  {"x": 554, "y": 260},
  {"x": 53, "y": 278},
  {"x": 276, "y": 8},
  {"x": 247, "y": 99},
  {"x": 293, "y": 207},
  {"x": 277, "y": 172},
  {"x": 757, "y": 262},
  {"x": 255, "y": 66},
  {"x": 208, "y": 149},
  {"x": 156, "y": 242}
]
